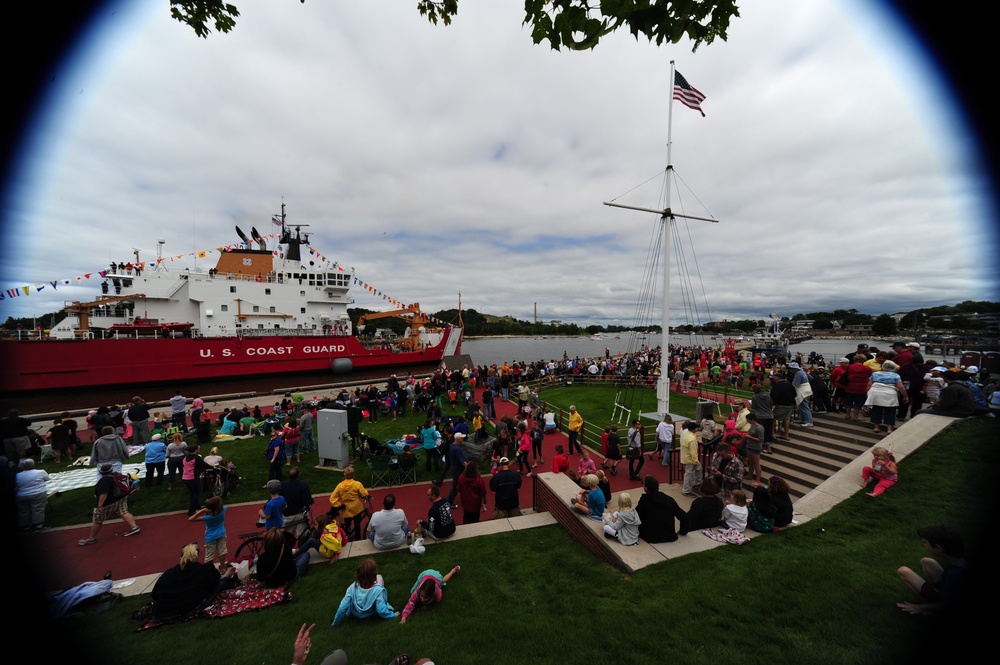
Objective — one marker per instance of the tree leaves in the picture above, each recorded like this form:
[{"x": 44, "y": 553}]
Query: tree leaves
[
  {"x": 576, "y": 25},
  {"x": 198, "y": 13}
]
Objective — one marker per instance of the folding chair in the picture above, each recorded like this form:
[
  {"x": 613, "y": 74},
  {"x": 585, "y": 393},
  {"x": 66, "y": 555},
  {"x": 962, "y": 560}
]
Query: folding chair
[
  {"x": 381, "y": 473},
  {"x": 406, "y": 471}
]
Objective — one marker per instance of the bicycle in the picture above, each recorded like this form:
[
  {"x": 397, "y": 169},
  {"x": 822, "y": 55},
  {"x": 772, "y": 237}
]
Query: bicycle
[
  {"x": 360, "y": 521},
  {"x": 253, "y": 543},
  {"x": 251, "y": 547}
]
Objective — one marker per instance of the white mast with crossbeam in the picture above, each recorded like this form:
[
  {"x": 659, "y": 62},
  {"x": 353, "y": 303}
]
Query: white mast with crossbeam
[{"x": 667, "y": 218}]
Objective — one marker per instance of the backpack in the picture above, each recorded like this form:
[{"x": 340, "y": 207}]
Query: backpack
[
  {"x": 122, "y": 485},
  {"x": 843, "y": 380}
]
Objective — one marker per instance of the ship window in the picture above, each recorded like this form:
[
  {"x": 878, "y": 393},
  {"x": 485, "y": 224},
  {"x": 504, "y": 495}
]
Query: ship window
[
  {"x": 256, "y": 308},
  {"x": 224, "y": 308},
  {"x": 302, "y": 293},
  {"x": 277, "y": 326},
  {"x": 302, "y": 310},
  {"x": 267, "y": 292},
  {"x": 260, "y": 326},
  {"x": 232, "y": 289},
  {"x": 272, "y": 310}
]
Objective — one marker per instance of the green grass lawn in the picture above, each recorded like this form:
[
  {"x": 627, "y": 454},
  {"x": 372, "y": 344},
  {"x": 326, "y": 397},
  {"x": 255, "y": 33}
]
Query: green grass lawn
[{"x": 822, "y": 592}]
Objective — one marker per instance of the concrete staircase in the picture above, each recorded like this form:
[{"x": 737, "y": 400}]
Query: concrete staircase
[{"x": 817, "y": 453}]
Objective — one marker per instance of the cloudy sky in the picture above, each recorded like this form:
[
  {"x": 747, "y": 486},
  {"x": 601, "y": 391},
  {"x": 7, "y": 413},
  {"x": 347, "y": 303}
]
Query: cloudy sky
[{"x": 437, "y": 160}]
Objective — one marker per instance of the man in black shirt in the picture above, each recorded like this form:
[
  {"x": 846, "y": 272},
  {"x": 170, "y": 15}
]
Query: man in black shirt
[
  {"x": 298, "y": 503},
  {"x": 506, "y": 483},
  {"x": 657, "y": 512},
  {"x": 440, "y": 522},
  {"x": 138, "y": 415}
]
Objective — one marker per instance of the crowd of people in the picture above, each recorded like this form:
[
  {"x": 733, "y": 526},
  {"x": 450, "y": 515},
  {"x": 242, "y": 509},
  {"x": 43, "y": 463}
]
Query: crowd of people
[{"x": 889, "y": 386}]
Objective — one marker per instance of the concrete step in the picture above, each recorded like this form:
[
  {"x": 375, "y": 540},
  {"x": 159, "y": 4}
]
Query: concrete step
[{"x": 817, "y": 453}]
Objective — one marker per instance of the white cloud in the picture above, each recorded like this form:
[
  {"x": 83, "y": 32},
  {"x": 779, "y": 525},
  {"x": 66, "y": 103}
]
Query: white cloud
[{"x": 438, "y": 160}]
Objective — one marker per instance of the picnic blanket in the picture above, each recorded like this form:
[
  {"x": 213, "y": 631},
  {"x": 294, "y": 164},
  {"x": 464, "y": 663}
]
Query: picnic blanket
[
  {"x": 730, "y": 536},
  {"x": 246, "y": 597}
]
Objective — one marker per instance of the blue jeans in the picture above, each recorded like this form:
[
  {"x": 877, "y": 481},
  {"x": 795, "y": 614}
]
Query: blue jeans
[
  {"x": 306, "y": 441},
  {"x": 302, "y": 558},
  {"x": 804, "y": 413}
]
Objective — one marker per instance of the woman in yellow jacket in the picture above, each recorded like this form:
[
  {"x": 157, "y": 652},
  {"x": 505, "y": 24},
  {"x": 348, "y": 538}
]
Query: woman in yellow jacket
[{"x": 348, "y": 499}]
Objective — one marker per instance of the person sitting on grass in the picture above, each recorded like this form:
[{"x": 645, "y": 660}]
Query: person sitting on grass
[
  {"x": 883, "y": 470},
  {"x": 188, "y": 587},
  {"x": 366, "y": 596},
  {"x": 942, "y": 587},
  {"x": 426, "y": 590},
  {"x": 279, "y": 564},
  {"x": 590, "y": 501},
  {"x": 303, "y": 645}
]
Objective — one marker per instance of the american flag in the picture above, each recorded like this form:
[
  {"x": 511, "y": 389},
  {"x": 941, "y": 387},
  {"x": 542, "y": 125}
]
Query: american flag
[
  {"x": 686, "y": 95},
  {"x": 277, "y": 220}
]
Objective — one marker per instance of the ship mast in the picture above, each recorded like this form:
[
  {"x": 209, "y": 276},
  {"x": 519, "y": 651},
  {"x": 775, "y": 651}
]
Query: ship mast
[
  {"x": 292, "y": 241},
  {"x": 668, "y": 218}
]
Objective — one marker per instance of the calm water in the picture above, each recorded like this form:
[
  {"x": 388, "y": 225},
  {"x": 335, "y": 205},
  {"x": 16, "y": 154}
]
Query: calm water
[{"x": 489, "y": 350}]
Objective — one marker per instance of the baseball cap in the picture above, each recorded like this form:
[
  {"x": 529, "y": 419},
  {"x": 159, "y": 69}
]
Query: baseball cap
[{"x": 504, "y": 460}]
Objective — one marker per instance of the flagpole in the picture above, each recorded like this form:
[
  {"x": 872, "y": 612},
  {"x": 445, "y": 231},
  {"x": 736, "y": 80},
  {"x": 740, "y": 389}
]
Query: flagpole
[
  {"x": 692, "y": 98},
  {"x": 663, "y": 385}
]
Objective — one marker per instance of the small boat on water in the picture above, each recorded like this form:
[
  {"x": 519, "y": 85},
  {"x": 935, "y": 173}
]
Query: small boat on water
[
  {"x": 772, "y": 340},
  {"x": 257, "y": 312},
  {"x": 597, "y": 336}
]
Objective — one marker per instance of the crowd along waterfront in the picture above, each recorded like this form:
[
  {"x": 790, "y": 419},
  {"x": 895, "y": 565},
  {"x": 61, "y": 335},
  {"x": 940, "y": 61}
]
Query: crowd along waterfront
[{"x": 482, "y": 351}]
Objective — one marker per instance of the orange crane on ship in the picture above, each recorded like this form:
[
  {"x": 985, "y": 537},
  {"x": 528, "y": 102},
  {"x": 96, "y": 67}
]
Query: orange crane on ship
[{"x": 411, "y": 314}]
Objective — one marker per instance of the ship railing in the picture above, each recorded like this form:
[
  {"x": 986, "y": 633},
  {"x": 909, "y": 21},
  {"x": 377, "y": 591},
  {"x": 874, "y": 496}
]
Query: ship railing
[
  {"x": 269, "y": 278},
  {"x": 292, "y": 332},
  {"x": 25, "y": 335}
]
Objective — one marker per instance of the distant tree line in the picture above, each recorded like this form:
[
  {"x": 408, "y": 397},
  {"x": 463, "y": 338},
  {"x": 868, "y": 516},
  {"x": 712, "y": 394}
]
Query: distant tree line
[{"x": 944, "y": 318}]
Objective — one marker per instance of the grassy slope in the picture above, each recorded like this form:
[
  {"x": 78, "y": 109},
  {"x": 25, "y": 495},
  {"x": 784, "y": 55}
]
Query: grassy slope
[{"x": 824, "y": 592}]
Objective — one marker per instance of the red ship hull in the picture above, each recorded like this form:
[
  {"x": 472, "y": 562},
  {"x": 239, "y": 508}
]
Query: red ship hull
[{"x": 59, "y": 364}]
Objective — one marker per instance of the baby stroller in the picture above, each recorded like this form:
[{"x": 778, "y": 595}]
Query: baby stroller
[
  {"x": 422, "y": 403},
  {"x": 221, "y": 481},
  {"x": 368, "y": 445},
  {"x": 273, "y": 423}
]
